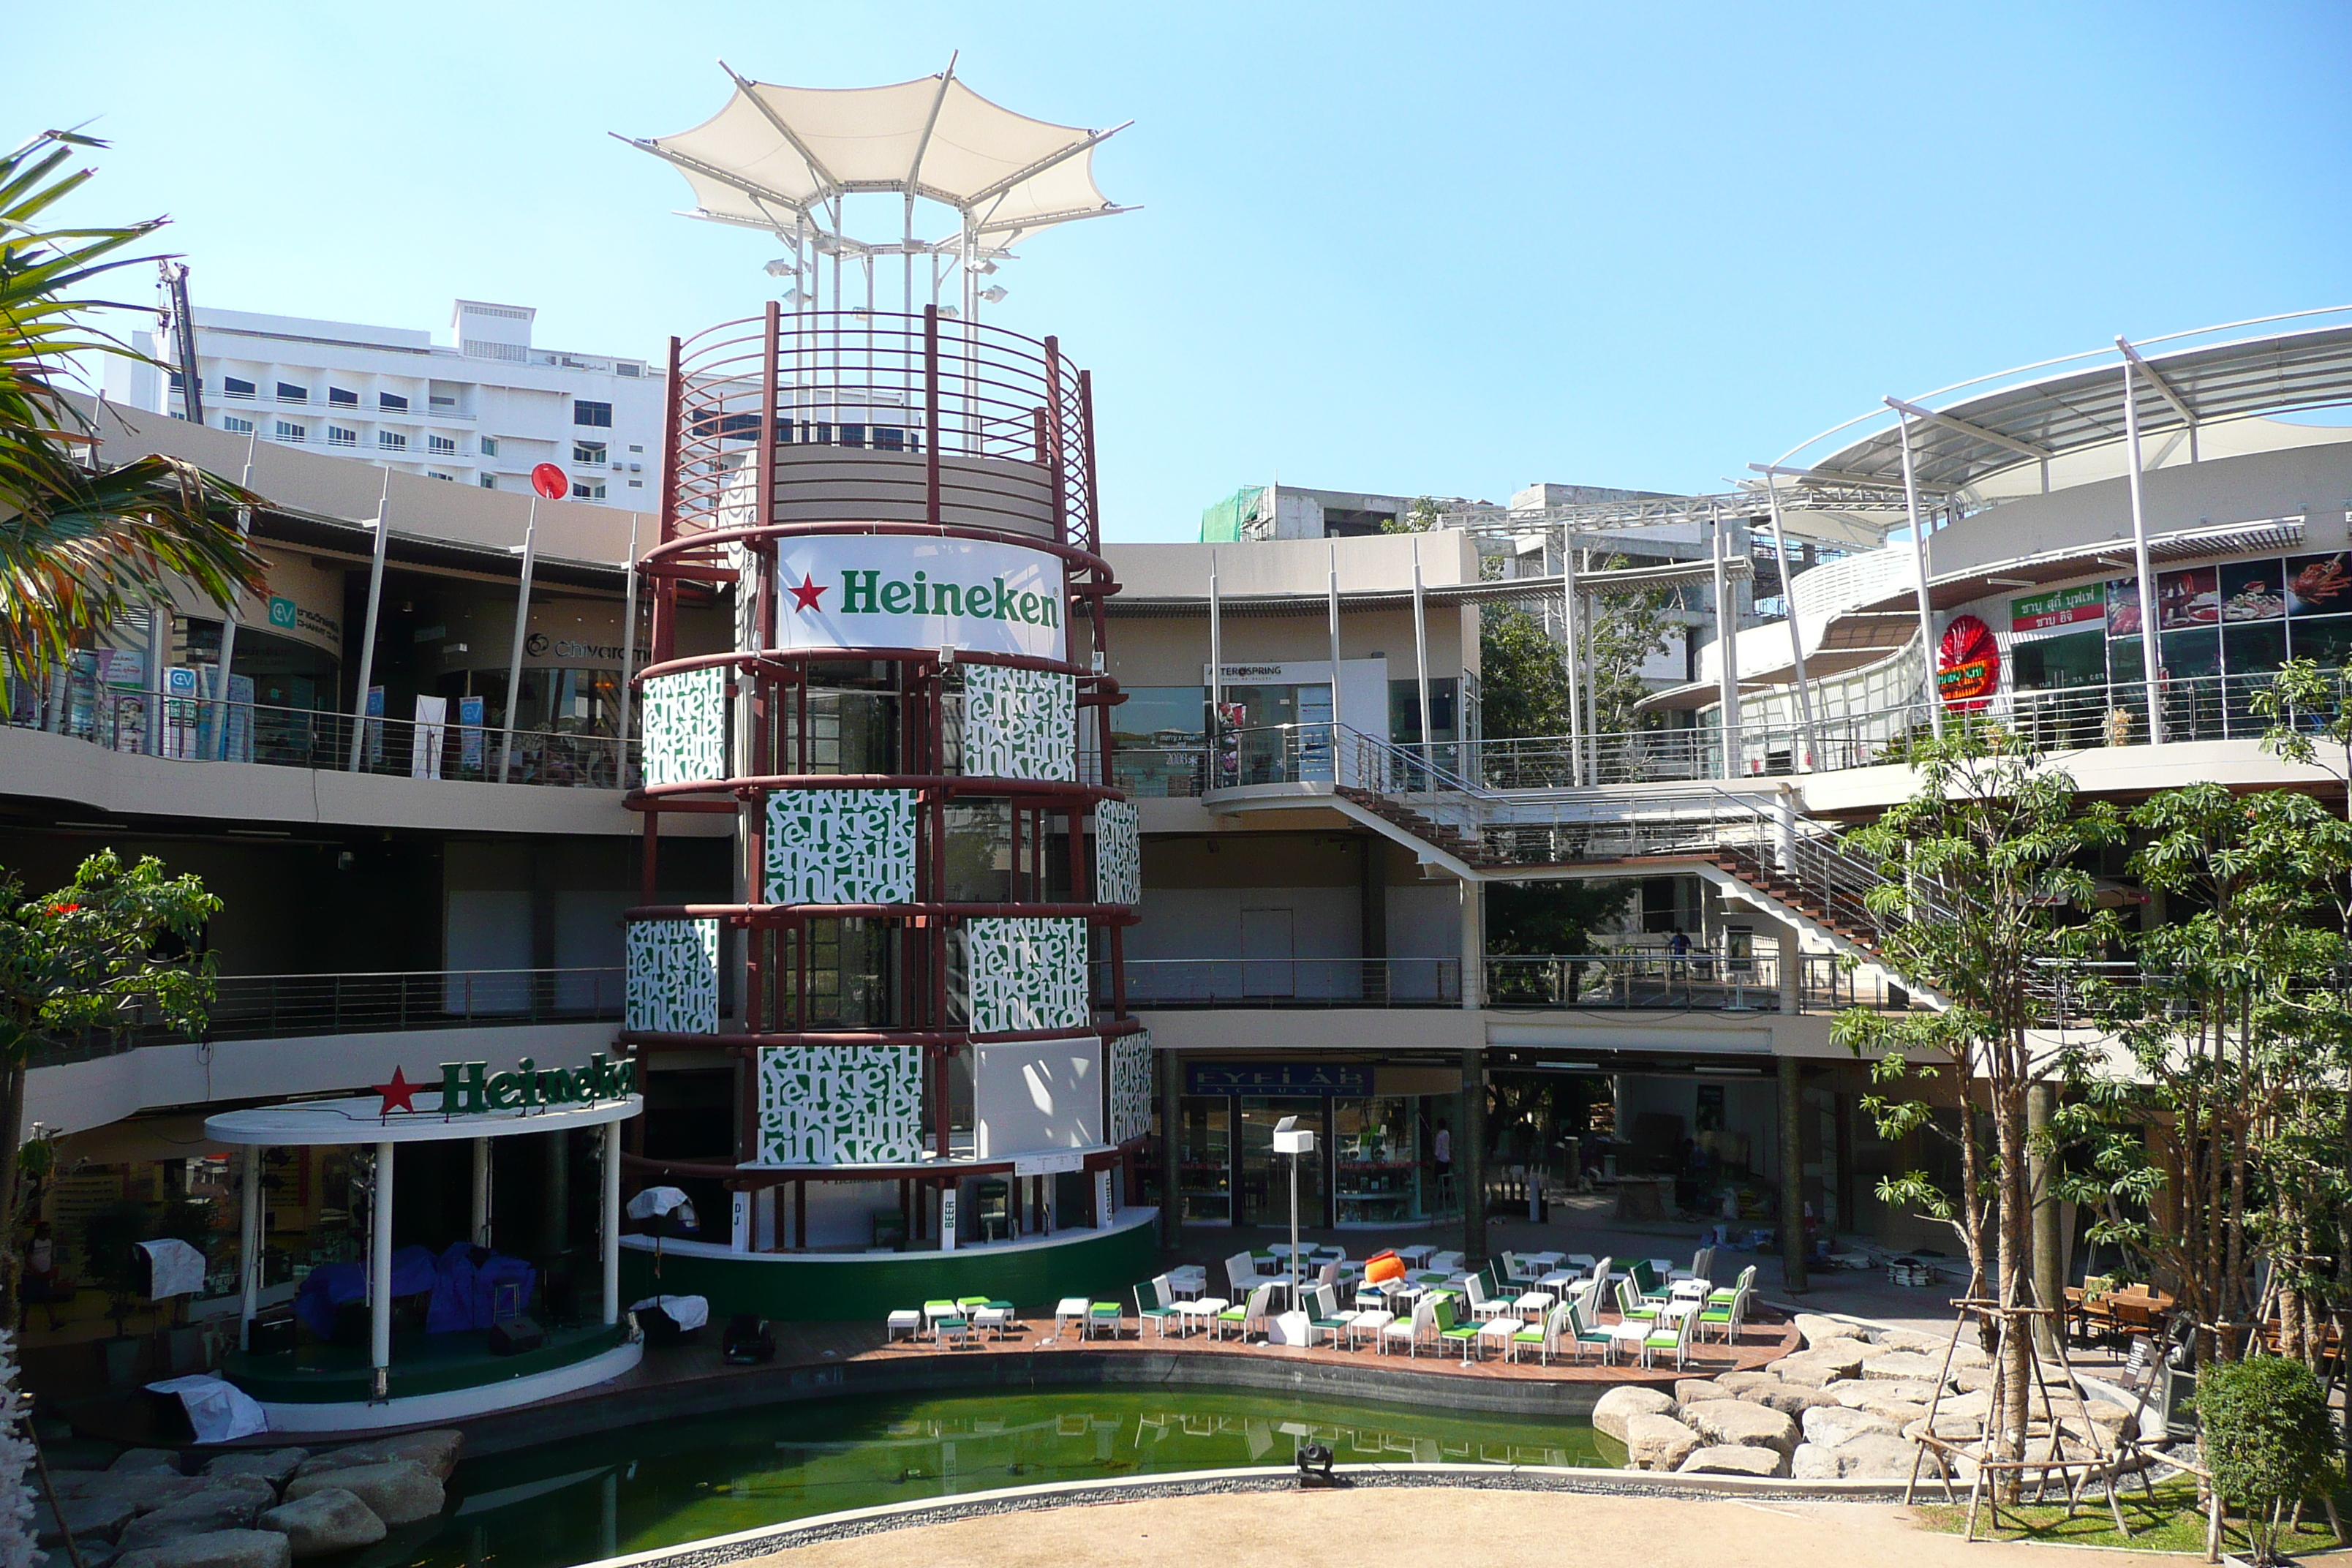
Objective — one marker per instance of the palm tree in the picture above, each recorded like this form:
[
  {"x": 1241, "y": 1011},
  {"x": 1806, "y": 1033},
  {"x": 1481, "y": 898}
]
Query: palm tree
[{"x": 81, "y": 541}]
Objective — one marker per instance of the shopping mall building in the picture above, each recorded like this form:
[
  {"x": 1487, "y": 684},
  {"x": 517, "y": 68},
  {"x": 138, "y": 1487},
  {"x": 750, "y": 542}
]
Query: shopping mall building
[{"x": 975, "y": 894}]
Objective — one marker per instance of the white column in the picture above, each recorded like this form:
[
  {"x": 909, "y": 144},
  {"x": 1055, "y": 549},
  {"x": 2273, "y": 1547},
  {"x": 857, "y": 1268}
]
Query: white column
[
  {"x": 159, "y": 650},
  {"x": 1727, "y": 654},
  {"x": 628, "y": 661},
  {"x": 1340, "y": 775},
  {"x": 1474, "y": 944},
  {"x": 481, "y": 1220},
  {"x": 1421, "y": 670},
  {"x": 380, "y": 1270},
  {"x": 367, "y": 627},
  {"x": 228, "y": 618},
  {"x": 1919, "y": 564},
  {"x": 2149, "y": 660},
  {"x": 1569, "y": 630},
  {"x": 1216, "y": 774},
  {"x": 1809, "y": 740},
  {"x": 521, "y": 626},
  {"x": 251, "y": 1239},
  {"x": 611, "y": 1236}
]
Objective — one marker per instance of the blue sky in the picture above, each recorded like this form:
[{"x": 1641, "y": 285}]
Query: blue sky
[{"x": 1400, "y": 248}]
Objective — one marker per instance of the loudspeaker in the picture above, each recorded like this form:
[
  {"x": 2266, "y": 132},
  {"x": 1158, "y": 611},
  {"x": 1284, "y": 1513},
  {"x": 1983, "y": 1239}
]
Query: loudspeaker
[
  {"x": 512, "y": 1336},
  {"x": 748, "y": 1342}
]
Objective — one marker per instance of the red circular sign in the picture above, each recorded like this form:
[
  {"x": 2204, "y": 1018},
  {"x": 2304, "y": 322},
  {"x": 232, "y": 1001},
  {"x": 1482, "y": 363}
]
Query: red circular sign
[
  {"x": 1968, "y": 664},
  {"x": 550, "y": 481}
]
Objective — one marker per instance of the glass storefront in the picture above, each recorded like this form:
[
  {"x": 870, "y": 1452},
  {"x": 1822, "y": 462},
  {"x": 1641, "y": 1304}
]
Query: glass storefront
[
  {"x": 1375, "y": 1164},
  {"x": 1159, "y": 734}
]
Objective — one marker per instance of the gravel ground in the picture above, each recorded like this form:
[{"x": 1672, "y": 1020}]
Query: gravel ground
[{"x": 1462, "y": 1528}]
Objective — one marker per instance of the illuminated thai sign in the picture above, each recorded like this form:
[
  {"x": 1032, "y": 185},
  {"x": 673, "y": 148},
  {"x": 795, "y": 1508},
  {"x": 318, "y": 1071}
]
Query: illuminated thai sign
[{"x": 1968, "y": 664}]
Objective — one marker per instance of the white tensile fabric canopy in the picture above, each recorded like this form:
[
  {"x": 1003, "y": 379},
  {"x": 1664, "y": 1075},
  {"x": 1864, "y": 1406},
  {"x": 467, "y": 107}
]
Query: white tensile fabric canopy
[{"x": 774, "y": 155}]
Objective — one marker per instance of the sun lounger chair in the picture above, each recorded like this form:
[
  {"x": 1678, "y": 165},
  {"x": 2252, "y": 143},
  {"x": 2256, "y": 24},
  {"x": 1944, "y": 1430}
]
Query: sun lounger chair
[
  {"x": 1248, "y": 1316},
  {"x": 1323, "y": 1314},
  {"x": 1408, "y": 1331},
  {"x": 1158, "y": 1308},
  {"x": 1674, "y": 1337}
]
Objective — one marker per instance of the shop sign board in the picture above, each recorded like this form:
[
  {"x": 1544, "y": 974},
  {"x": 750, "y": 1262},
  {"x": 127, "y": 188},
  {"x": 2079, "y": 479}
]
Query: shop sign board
[
  {"x": 1277, "y": 1078},
  {"x": 2082, "y": 604},
  {"x": 852, "y": 590}
]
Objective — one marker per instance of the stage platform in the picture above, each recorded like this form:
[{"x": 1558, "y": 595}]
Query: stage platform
[{"x": 421, "y": 1365}]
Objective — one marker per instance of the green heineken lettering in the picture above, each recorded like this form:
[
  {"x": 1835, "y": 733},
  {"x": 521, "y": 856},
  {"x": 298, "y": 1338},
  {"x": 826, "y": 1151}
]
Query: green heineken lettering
[
  {"x": 1000, "y": 600},
  {"x": 976, "y": 604},
  {"x": 461, "y": 1086},
  {"x": 504, "y": 1091},
  {"x": 918, "y": 594},
  {"x": 852, "y": 591},
  {"x": 527, "y": 1073},
  {"x": 894, "y": 598},
  {"x": 553, "y": 1087},
  {"x": 947, "y": 599}
]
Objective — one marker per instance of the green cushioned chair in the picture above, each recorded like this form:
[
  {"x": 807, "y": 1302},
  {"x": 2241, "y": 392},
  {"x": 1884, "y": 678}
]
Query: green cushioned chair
[
  {"x": 1159, "y": 1307},
  {"x": 1462, "y": 1334}
]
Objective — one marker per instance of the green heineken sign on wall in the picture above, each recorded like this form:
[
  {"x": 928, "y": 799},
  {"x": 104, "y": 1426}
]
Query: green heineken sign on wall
[
  {"x": 470, "y": 1088},
  {"x": 883, "y": 590}
]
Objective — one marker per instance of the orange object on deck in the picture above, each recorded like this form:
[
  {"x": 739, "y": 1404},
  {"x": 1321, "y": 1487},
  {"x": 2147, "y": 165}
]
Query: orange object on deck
[{"x": 1384, "y": 1266}]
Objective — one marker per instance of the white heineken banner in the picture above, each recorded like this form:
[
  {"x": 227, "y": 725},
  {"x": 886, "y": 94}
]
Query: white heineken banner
[{"x": 904, "y": 591}]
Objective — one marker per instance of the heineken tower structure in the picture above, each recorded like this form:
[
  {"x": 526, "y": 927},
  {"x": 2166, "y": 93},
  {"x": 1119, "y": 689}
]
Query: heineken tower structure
[{"x": 916, "y": 989}]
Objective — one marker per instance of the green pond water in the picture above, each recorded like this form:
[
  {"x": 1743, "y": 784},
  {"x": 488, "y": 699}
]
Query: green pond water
[{"x": 660, "y": 1485}]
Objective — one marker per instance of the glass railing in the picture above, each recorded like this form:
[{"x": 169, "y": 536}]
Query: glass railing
[
  {"x": 197, "y": 730},
  {"x": 289, "y": 1006},
  {"x": 1286, "y": 983}
]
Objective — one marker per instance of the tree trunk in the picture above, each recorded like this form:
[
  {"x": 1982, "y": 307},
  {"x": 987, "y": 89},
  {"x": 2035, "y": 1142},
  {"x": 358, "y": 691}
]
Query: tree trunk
[
  {"x": 2015, "y": 1237},
  {"x": 12, "y": 1138}
]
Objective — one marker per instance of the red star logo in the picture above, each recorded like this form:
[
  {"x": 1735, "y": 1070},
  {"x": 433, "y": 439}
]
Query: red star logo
[
  {"x": 398, "y": 1095},
  {"x": 805, "y": 596}
]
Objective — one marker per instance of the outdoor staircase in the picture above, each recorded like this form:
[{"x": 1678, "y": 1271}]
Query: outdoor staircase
[{"x": 1415, "y": 825}]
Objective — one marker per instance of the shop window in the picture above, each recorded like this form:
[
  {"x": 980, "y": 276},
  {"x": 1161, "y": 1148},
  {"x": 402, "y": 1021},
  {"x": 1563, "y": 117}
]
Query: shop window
[{"x": 2078, "y": 658}]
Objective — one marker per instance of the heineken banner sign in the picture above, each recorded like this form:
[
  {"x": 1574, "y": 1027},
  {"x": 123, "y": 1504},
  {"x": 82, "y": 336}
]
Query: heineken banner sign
[
  {"x": 888, "y": 590},
  {"x": 471, "y": 1088}
]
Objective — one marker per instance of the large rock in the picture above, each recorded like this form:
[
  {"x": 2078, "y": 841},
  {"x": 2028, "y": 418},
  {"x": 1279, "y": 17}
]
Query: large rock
[
  {"x": 328, "y": 1521},
  {"x": 137, "y": 1461},
  {"x": 99, "y": 1518},
  {"x": 1740, "y": 1423},
  {"x": 1661, "y": 1442},
  {"x": 206, "y": 1513},
  {"x": 1739, "y": 1383},
  {"x": 275, "y": 1466},
  {"x": 1903, "y": 1367},
  {"x": 222, "y": 1549},
  {"x": 436, "y": 1450},
  {"x": 94, "y": 1553},
  {"x": 1866, "y": 1395},
  {"x": 1787, "y": 1398},
  {"x": 1833, "y": 1362},
  {"x": 1615, "y": 1412},
  {"x": 144, "y": 1490},
  {"x": 1834, "y": 1426},
  {"x": 1735, "y": 1459},
  {"x": 1691, "y": 1390},
  {"x": 1816, "y": 1330},
  {"x": 400, "y": 1492},
  {"x": 1865, "y": 1456}
]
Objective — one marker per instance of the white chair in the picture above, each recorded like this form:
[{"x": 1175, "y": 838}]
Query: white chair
[
  {"x": 1241, "y": 1275},
  {"x": 1483, "y": 1306},
  {"x": 1408, "y": 1331},
  {"x": 1554, "y": 1336},
  {"x": 1249, "y": 1317},
  {"x": 1677, "y": 1338},
  {"x": 1702, "y": 1266}
]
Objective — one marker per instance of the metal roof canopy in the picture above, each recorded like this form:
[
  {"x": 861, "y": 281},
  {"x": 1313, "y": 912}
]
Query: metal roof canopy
[
  {"x": 1624, "y": 580},
  {"x": 2038, "y": 413},
  {"x": 782, "y": 159},
  {"x": 2049, "y": 566}
]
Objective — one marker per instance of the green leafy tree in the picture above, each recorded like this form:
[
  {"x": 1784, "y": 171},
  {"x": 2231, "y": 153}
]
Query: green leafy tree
[
  {"x": 1522, "y": 676},
  {"x": 2235, "y": 1035},
  {"x": 81, "y": 541},
  {"x": 1983, "y": 897},
  {"x": 1622, "y": 634},
  {"x": 1549, "y": 919},
  {"x": 2263, "y": 1424},
  {"x": 1421, "y": 517},
  {"x": 114, "y": 950}
]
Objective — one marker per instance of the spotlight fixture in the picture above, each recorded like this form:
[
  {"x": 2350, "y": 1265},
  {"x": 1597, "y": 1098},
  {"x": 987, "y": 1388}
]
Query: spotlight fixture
[
  {"x": 781, "y": 267},
  {"x": 993, "y": 293}
]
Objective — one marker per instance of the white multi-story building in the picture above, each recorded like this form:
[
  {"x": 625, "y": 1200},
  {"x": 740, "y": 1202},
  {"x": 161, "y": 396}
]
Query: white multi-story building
[{"x": 483, "y": 409}]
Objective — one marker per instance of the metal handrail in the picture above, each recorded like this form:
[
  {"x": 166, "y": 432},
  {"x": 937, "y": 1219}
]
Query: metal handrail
[{"x": 188, "y": 728}]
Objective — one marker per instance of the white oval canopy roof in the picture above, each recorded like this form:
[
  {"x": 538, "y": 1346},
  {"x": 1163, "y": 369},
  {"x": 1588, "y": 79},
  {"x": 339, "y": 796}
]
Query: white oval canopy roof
[
  {"x": 775, "y": 153},
  {"x": 313, "y": 1121}
]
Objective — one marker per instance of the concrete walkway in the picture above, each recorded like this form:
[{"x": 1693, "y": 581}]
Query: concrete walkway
[{"x": 1460, "y": 1529}]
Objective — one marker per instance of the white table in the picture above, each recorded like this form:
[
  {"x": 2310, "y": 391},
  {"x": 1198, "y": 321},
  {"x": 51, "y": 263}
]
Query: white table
[
  {"x": 1536, "y": 1303},
  {"x": 1192, "y": 1314},
  {"x": 1498, "y": 1331},
  {"x": 1414, "y": 1257},
  {"x": 1188, "y": 1282},
  {"x": 1069, "y": 1307}
]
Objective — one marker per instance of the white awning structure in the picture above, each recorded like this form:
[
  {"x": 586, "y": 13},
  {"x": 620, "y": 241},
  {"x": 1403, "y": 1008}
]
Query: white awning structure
[{"x": 783, "y": 158}]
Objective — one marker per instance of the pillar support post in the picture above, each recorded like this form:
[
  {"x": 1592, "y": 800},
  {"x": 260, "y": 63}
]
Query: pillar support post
[
  {"x": 1470, "y": 1159},
  {"x": 1793, "y": 1277}
]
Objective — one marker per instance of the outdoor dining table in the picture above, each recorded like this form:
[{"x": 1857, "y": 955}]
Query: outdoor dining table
[
  {"x": 1190, "y": 1282},
  {"x": 1536, "y": 1303},
  {"x": 1414, "y": 1257},
  {"x": 1500, "y": 1330},
  {"x": 1560, "y": 1279}
]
